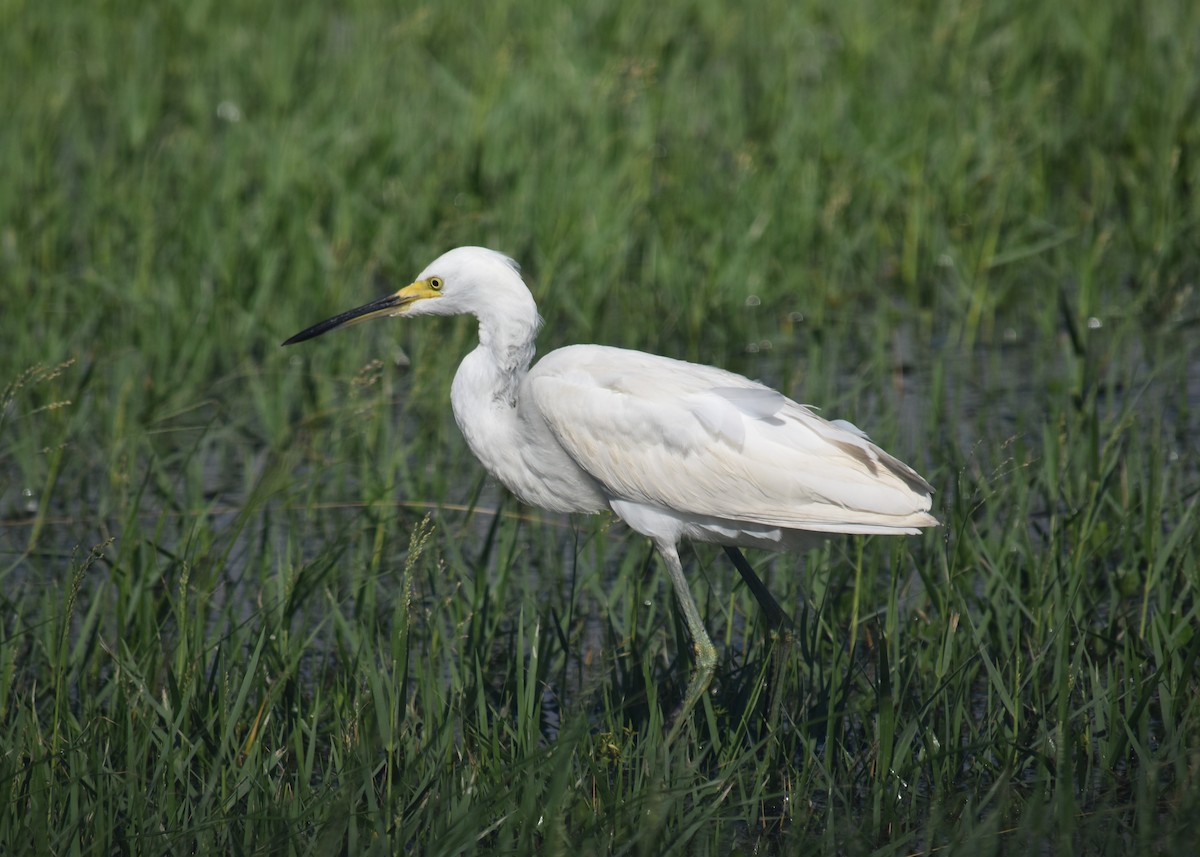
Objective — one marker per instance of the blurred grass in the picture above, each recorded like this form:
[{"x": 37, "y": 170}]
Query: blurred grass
[{"x": 228, "y": 624}]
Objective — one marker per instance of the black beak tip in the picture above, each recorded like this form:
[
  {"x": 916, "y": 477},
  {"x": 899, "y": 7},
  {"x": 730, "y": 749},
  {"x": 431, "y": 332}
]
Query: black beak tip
[
  {"x": 345, "y": 318},
  {"x": 317, "y": 329}
]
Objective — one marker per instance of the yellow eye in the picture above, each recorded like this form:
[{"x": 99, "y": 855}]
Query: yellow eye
[{"x": 435, "y": 283}]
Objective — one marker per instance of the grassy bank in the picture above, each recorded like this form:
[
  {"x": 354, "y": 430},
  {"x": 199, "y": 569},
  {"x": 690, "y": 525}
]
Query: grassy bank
[{"x": 256, "y": 600}]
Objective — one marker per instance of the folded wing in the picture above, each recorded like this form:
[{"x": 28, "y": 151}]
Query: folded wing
[{"x": 703, "y": 441}]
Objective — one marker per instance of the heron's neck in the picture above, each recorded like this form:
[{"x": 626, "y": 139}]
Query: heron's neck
[
  {"x": 484, "y": 395},
  {"x": 506, "y": 346},
  {"x": 485, "y": 388}
]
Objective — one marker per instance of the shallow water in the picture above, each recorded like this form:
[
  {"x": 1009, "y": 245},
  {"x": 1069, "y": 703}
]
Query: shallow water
[{"x": 992, "y": 405}]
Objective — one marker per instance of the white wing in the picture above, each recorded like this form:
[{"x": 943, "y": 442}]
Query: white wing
[{"x": 702, "y": 441}]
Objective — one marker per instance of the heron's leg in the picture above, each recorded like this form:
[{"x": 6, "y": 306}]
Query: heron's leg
[
  {"x": 777, "y": 620},
  {"x": 776, "y": 617},
  {"x": 706, "y": 652}
]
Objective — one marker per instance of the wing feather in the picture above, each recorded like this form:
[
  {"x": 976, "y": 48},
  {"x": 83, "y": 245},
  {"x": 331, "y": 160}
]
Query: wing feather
[{"x": 703, "y": 441}]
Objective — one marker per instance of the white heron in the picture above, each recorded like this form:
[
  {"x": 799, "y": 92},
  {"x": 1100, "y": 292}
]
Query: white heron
[{"x": 676, "y": 450}]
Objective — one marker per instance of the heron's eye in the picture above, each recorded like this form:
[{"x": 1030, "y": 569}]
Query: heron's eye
[{"x": 435, "y": 283}]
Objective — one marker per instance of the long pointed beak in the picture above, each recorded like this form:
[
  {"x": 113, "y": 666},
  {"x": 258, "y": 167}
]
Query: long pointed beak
[{"x": 385, "y": 306}]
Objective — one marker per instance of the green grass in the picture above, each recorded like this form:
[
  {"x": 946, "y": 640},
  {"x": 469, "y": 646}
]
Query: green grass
[{"x": 256, "y": 600}]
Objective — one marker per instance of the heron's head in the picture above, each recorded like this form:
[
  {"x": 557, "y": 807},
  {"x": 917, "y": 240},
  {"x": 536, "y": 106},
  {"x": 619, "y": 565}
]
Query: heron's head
[{"x": 464, "y": 280}]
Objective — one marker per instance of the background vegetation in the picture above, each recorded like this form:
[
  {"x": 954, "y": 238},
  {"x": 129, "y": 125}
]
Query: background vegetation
[{"x": 258, "y": 600}]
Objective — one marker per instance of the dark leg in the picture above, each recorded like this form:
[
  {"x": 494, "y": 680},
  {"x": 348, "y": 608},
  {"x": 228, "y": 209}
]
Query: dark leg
[
  {"x": 776, "y": 618},
  {"x": 780, "y": 629}
]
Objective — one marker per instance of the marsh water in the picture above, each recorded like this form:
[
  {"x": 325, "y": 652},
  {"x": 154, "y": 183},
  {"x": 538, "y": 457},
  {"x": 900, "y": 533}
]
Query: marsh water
[{"x": 965, "y": 417}]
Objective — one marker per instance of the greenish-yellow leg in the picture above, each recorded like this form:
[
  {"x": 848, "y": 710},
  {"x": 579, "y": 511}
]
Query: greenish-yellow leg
[{"x": 706, "y": 652}]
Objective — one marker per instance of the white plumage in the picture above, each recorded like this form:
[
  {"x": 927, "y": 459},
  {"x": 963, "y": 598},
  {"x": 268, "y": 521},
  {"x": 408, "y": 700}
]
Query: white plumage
[{"x": 675, "y": 449}]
